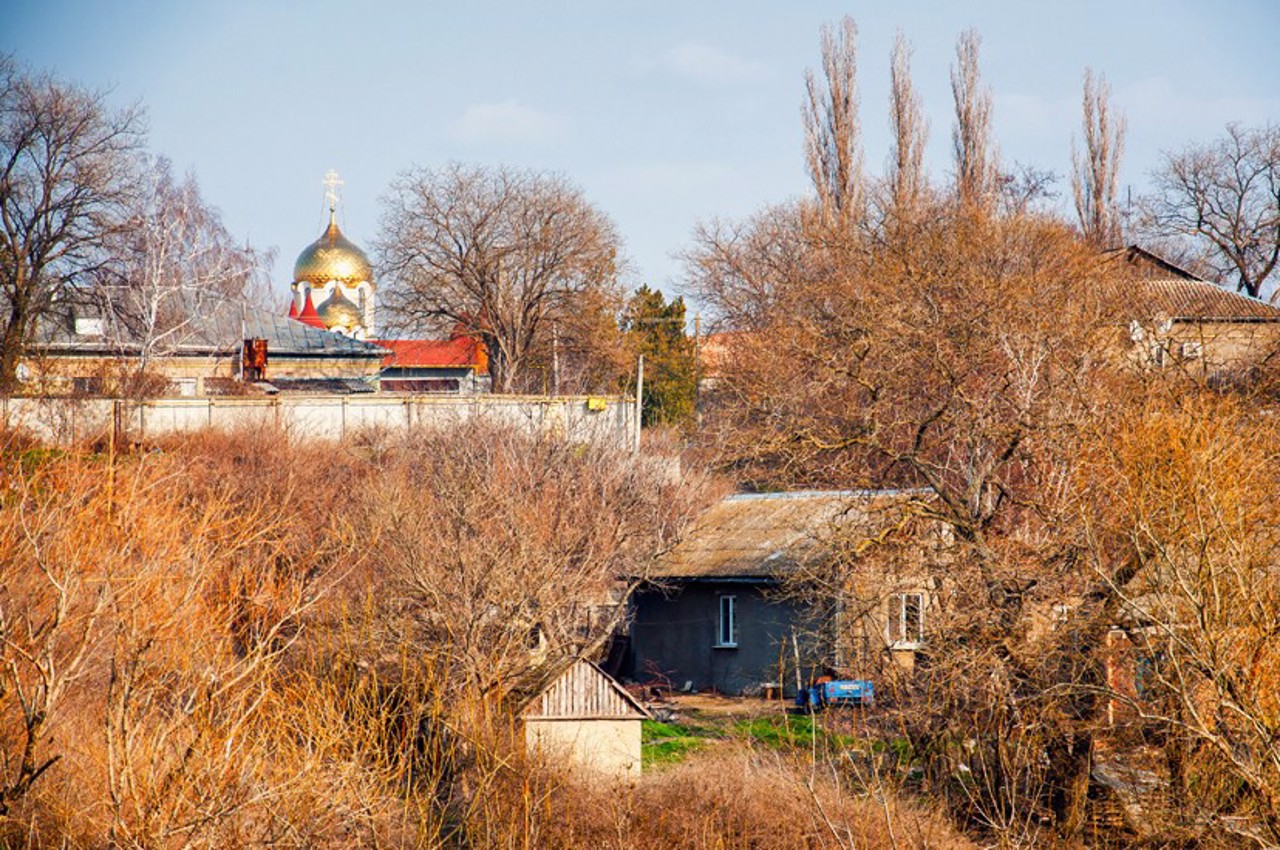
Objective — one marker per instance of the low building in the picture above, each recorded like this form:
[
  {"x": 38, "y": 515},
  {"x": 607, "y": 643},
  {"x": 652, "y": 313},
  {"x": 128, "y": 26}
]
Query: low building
[
  {"x": 583, "y": 716},
  {"x": 458, "y": 365},
  {"x": 209, "y": 352},
  {"x": 1177, "y": 320},
  {"x": 726, "y": 610}
]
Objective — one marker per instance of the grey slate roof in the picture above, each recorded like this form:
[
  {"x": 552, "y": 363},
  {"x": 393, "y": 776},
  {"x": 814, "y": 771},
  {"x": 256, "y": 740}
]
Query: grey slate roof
[{"x": 218, "y": 327}]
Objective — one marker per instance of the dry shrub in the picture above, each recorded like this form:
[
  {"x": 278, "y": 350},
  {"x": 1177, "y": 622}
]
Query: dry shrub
[
  {"x": 201, "y": 650},
  {"x": 737, "y": 798},
  {"x": 207, "y": 643},
  {"x": 507, "y": 556}
]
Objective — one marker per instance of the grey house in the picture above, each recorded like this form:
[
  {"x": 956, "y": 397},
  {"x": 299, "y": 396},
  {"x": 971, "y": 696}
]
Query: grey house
[{"x": 720, "y": 614}]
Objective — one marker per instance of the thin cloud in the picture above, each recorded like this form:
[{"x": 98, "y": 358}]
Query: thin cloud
[
  {"x": 508, "y": 121},
  {"x": 706, "y": 63}
]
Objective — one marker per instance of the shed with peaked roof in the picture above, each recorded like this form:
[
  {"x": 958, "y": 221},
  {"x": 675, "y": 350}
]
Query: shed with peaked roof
[{"x": 584, "y": 716}]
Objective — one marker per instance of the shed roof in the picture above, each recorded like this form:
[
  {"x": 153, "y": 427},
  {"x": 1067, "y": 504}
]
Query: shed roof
[
  {"x": 583, "y": 692},
  {"x": 765, "y": 535}
]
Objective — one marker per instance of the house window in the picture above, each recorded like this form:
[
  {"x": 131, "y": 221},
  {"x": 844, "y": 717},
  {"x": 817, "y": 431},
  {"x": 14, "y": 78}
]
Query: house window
[
  {"x": 906, "y": 619},
  {"x": 727, "y": 627},
  {"x": 1192, "y": 350}
]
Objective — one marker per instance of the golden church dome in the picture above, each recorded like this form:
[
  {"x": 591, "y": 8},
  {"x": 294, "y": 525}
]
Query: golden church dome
[
  {"x": 340, "y": 313},
  {"x": 332, "y": 257}
]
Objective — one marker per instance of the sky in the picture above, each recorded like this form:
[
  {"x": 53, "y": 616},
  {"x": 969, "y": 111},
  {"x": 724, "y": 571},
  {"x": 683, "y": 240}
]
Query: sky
[{"x": 665, "y": 114}]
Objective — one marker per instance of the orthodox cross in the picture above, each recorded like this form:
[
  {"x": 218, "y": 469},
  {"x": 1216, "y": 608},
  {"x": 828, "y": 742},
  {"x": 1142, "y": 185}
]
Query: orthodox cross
[{"x": 331, "y": 184}]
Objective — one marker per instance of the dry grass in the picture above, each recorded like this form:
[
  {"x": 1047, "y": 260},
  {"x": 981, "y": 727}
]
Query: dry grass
[{"x": 203, "y": 646}]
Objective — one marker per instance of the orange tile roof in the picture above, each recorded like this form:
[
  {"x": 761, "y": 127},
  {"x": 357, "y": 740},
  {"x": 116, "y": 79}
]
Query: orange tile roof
[{"x": 459, "y": 352}]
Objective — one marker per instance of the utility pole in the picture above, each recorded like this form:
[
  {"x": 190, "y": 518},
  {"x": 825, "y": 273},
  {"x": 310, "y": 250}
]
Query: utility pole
[
  {"x": 639, "y": 399},
  {"x": 697, "y": 359},
  {"x": 555, "y": 359}
]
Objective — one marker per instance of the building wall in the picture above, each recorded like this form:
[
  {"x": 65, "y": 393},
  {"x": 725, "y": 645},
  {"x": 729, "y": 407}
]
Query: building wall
[
  {"x": 1205, "y": 349},
  {"x": 55, "y": 375},
  {"x": 609, "y": 746},
  {"x": 673, "y": 634},
  {"x": 68, "y": 421}
]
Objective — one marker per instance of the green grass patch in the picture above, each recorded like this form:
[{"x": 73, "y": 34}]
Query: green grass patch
[
  {"x": 791, "y": 732},
  {"x": 669, "y": 743}
]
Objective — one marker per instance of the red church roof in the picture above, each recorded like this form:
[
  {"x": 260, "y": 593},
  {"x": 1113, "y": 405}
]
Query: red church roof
[
  {"x": 309, "y": 316},
  {"x": 459, "y": 352}
]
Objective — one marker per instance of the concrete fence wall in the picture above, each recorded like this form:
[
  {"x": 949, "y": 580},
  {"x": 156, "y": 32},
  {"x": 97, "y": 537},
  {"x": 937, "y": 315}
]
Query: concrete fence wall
[{"x": 608, "y": 420}]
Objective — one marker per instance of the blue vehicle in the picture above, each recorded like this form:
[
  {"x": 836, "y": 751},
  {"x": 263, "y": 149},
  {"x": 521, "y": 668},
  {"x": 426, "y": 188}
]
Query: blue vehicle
[{"x": 819, "y": 695}]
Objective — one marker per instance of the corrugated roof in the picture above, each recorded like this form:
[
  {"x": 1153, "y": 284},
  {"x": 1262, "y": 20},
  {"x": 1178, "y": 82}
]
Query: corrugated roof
[
  {"x": 768, "y": 534},
  {"x": 219, "y": 326},
  {"x": 1152, "y": 286},
  {"x": 1186, "y": 300}
]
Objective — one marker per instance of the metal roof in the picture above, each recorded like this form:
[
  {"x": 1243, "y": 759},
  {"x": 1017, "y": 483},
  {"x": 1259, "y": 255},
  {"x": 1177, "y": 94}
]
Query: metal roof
[{"x": 219, "y": 326}]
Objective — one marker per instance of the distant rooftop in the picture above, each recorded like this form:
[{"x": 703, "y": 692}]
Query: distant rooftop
[
  {"x": 217, "y": 326},
  {"x": 1158, "y": 287}
]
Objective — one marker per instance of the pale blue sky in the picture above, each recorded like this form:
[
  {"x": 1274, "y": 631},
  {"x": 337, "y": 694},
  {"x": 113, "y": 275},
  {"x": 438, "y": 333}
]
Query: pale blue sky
[{"x": 664, "y": 113}]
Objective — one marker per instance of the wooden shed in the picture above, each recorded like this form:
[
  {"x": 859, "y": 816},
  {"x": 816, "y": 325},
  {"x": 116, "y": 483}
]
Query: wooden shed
[{"x": 584, "y": 716}]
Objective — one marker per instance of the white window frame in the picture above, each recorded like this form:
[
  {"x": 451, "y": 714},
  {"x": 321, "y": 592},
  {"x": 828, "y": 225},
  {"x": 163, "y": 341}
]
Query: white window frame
[
  {"x": 726, "y": 621},
  {"x": 897, "y": 613}
]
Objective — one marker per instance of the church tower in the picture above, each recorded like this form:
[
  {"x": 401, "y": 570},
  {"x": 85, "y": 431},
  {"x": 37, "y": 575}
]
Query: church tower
[{"x": 336, "y": 276}]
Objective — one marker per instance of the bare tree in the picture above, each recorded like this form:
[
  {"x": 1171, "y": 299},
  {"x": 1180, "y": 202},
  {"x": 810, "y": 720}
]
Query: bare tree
[
  {"x": 172, "y": 262},
  {"x": 910, "y": 132},
  {"x": 741, "y": 269},
  {"x": 960, "y": 362},
  {"x": 500, "y": 252},
  {"x": 832, "y": 133},
  {"x": 1224, "y": 199},
  {"x": 976, "y": 172},
  {"x": 515, "y": 557},
  {"x": 66, "y": 176},
  {"x": 1094, "y": 175}
]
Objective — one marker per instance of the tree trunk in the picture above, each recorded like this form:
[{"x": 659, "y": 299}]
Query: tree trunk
[
  {"x": 1071, "y": 759},
  {"x": 13, "y": 347}
]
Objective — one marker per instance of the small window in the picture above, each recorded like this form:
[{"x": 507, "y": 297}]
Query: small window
[
  {"x": 89, "y": 326},
  {"x": 1192, "y": 350},
  {"x": 727, "y": 627},
  {"x": 906, "y": 619}
]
